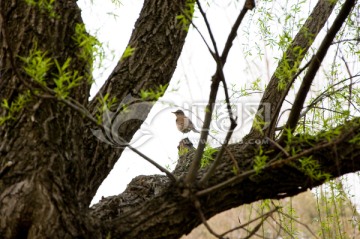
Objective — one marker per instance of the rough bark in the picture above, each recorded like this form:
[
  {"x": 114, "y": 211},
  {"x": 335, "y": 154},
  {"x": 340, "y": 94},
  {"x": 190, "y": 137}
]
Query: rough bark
[
  {"x": 41, "y": 148},
  {"x": 51, "y": 164}
]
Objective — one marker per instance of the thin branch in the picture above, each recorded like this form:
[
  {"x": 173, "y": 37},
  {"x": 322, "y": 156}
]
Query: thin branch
[
  {"x": 345, "y": 40},
  {"x": 208, "y": 28},
  {"x": 249, "y": 5},
  {"x": 195, "y": 165},
  {"x": 278, "y": 146},
  {"x": 235, "y": 163},
  {"x": 281, "y": 228},
  {"x": 203, "y": 219},
  {"x": 228, "y": 151},
  {"x": 275, "y": 120},
  {"x": 301, "y": 223},
  {"x": 219, "y": 155},
  {"x": 350, "y": 75},
  {"x": 266, "y": 215},
  {"x": 198, "y": 31},
  {"x": 227, "y": 99},
  {"x": 303, "y": 40},
  {"x": 315, "y": 65},
  {"x": 324, "y": 95},
  {"x": 256, "y": 228},
  {"x": 216, "y": 57},
  {"x": 334, "y": 111}
]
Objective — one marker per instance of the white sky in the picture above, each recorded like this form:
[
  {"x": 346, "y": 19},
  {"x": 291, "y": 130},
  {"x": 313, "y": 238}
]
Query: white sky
[{"x": 189, "y": 87}]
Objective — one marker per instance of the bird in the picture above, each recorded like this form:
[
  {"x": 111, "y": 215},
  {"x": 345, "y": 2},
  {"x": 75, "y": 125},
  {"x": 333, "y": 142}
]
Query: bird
[{"x": 183, "y": 123}]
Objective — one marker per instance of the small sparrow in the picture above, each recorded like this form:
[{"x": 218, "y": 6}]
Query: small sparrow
[{"x": 183, "y": 123}]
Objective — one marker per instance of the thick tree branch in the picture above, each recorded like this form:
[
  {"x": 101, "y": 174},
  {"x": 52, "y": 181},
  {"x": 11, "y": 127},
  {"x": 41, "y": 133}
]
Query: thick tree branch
[{"x": 288, "y": 176}]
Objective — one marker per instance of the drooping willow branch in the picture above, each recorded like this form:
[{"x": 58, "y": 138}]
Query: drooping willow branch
[{"x": 315, "y": 65}]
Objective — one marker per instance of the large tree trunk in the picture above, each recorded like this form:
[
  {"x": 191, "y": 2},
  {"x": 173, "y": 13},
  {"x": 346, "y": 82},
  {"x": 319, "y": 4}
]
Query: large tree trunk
[
  {"x": 51, "y": 164},
  {"x": 41, "y": 147},
  {"x": 50, "y": 169}
]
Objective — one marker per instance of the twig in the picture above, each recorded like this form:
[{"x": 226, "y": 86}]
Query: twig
[
  {"x": 249, "y": 5},
  {"x": 219, "y": 155},
  {"x": 208, "y": 28},
  {"x": 315, "y": 65},
  {"x": 203, "y": 219},
  {"x": 274, "y": 120},
  {"x": 301, "y": 223},
  {"x": 256, "y": 228},
  {"x": 303, "y": 41},
  {"x": 235, "y": 163},
  {"x": 278, "y": 146},
  {"x": 323, "y": 95},
  {"x": 195, "y": 165},
  {"x": 350, "y": 85},
  {"x": 231, "y": 155},
  {"x": 266, "y": 215},
  {"x": 197, "y": 29},
  {"x": 281, "y": 228},
  {"x": 345, "y": 40}
]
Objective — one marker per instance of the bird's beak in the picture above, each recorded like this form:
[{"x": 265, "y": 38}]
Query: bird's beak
[{"x": 173, "y": 112}]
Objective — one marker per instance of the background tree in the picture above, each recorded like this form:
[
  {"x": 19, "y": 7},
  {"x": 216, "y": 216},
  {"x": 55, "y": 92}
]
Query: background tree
[{"x": 52, "y": 164}]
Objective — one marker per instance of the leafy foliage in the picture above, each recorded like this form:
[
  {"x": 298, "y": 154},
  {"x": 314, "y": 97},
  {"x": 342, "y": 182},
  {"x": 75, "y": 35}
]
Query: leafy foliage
[
  {"x": 208, "y": 156},
  {"x": 37, "y": 65},
  {"x": 65, "y": 79},
  {"x": 312, "y": 168},
  {"x": 106, "y": 103},
  {"x": 13, "y": 109},
  {"x": 153, "y": 94},
  {"x": 44, "y": 5},
  {"x": 91, "y": 47},
  {"x": 260, "y": 160},
  {"x": 129, "y": 51},
  {"x": 187, "y": 14}
]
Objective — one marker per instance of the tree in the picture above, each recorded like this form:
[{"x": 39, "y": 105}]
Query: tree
[{"x": 52, "y": 164}]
